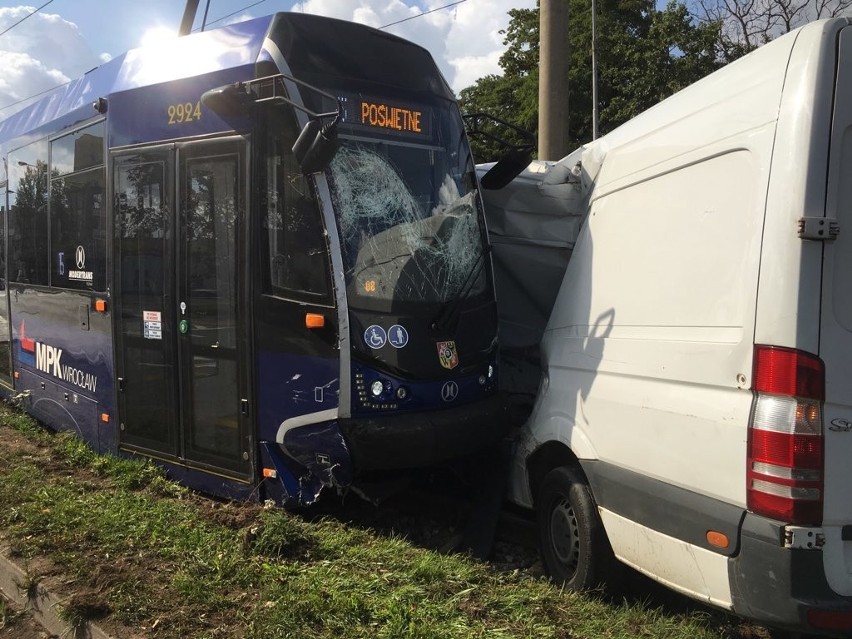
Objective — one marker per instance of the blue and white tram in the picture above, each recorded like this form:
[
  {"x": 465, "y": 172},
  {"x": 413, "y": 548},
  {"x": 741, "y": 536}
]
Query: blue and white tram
[{"x": 254, "y": 254}]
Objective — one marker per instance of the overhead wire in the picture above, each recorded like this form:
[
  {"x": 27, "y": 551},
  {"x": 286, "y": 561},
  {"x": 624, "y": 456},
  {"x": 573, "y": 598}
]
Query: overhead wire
[
  {"x": 390, "y": 24},
  {"x": 204, "y": 20},
  {"x": 446, "y": 6},
  {"x": 203, "y": 26},
  {"x": 35, "y": 95},
  {"x": 231, "y": 14},
  {"x": 7, "y": 29}
]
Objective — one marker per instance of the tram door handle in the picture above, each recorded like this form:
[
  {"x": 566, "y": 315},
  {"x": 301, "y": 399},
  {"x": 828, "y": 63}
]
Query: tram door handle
[
  {"x": 183, "y": 325},
  {"x": 120, "y": 381}
]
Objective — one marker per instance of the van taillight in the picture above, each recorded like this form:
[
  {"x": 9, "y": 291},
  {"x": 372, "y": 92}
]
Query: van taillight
[{"x": 785, "y": 443}]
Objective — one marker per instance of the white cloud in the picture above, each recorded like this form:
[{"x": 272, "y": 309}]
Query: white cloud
[
  {"x": 38, "y": 54},
  {"x": 46, "y": 50},
  {"x": 464, "y": 39},
  {"x": 234, "y": 19},
  {"x": 474, "y": 43},
  {"x": 470, "y": 68}
]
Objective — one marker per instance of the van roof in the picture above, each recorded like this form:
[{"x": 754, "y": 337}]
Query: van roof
[{"x": 738, "y": 97}]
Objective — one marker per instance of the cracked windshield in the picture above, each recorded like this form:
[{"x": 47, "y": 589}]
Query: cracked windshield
[{"x": 407, "y": 205}]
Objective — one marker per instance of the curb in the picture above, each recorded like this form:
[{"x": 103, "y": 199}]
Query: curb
[{"x": 42, "y": 604}]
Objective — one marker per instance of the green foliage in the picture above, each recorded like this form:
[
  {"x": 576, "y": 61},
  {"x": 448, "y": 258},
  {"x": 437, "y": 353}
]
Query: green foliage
[
  {"x": 669, "y": 54},
  {"x": 513, "y": 99},
  {"x": 20, "y": 421},
  {"x": 153, "y": 558},
  {"x": 644, "y": 54},
  {"x": 74, "y": 450}
]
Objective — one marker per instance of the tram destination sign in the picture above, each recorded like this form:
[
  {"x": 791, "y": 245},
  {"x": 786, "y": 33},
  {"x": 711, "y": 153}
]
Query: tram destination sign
[{"x": 387, "y": 116}]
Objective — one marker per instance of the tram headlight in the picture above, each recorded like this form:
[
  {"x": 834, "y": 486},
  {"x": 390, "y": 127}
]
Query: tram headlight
[
  {"x": 482, "y": 380},
  {"x": 401, "y": 392},
  {"x": 490, "y": 371},
  {"x": 377, "y": 388}
]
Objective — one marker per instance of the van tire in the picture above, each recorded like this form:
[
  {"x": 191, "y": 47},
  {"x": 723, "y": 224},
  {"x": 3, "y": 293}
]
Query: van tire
[{"x": 574, "y": 548}]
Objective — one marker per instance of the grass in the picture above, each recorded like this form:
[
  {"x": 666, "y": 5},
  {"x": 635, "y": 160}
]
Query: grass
[
  {"x": 7, "y": 615},
  {"x": 28, "y": 586},
  {"x": 144, "y": 554}
]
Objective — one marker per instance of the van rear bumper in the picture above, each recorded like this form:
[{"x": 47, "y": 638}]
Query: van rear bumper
[{"x": 779, "y": 586}]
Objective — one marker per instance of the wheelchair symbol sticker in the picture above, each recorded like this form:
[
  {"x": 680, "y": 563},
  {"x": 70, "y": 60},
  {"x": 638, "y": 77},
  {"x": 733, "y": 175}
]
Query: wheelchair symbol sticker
[
  {"x": 375, "y": 336},
  {"x": 397, "y": 336}
]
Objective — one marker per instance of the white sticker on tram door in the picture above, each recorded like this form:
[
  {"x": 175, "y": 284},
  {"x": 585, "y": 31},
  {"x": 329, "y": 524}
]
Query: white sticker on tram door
[
  {"x": 153, "y": 330},
  {"x": 152, "y": 324}
]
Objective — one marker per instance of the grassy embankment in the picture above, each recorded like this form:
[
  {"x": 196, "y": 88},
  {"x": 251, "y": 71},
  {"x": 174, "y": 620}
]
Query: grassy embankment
[{"x": 151, "y": 559}]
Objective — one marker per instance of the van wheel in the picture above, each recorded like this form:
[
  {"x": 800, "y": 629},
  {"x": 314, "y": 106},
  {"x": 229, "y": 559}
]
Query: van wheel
[{"x": 574, "y": 547}]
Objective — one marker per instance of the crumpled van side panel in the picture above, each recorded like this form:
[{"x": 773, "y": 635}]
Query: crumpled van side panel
[{"x": 688, "y": 259}]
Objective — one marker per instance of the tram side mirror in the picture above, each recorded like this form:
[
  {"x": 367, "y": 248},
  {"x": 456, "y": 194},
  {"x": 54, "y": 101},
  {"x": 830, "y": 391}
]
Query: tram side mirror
[
  {"x": 228, "y": 101},
  {"x": 506, "y": 169},
  {"x": 316, "y": 145}
]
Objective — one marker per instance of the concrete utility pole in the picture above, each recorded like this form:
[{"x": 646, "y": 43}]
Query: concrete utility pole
[{"x": 553, "y": 80}]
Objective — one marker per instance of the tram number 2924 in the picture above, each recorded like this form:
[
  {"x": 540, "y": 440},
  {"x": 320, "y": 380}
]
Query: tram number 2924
[{"x": 184, "y": 112}]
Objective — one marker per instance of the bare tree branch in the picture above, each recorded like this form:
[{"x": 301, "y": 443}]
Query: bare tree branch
[{"x": 747, "y": 24}]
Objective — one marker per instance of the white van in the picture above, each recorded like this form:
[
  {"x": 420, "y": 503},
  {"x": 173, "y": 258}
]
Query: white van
[{"x": 694, "y": 407}]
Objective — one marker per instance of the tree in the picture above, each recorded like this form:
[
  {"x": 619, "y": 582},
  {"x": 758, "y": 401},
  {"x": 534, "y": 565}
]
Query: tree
[
  {"x": 513, "y": 96},
  {"x": 644, "y": 55},
  {"x": 513, "y": 99},
  {"x": 747, "y": 24}
]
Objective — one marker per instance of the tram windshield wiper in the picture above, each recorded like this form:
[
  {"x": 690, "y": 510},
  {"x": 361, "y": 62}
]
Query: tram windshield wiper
[
  {"x": 448, "y": 313},
  {"x": 516, "y": 143}
]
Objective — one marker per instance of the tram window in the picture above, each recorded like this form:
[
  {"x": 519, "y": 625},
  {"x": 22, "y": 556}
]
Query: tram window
[
  {"x": 293, "y": 233},
  {"x": 78, "y": 230},
  {"x": 77, "y": 210},
  {"x": 3, "y": 191},
  {"x": 28, "y": 236},
  {"x": 77, "y": 151}
]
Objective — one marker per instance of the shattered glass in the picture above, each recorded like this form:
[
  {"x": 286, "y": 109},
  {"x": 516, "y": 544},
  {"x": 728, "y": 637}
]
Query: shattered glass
[{"x": 409, "y": 224}]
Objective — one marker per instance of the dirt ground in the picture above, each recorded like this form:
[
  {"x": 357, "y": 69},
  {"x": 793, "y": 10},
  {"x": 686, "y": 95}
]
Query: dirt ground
[
  {"x": 20, "y": 625},
  {"x": 52, "y": 577},
  {"x": 17, "y": 622}
]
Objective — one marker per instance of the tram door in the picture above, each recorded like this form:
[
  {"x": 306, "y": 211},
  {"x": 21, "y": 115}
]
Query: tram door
[
  {"x": 5, "y": 334},
  {"x": 182, "y": 378}
]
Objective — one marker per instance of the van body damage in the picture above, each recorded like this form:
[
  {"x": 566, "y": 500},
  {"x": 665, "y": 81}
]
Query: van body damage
[{"x": 642, "y": 283}]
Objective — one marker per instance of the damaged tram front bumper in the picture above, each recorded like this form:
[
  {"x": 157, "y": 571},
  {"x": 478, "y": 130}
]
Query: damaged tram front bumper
[{"x": 399, "y": 441}]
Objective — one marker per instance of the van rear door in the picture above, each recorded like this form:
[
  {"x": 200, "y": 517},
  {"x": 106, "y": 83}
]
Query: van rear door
[{"x": 836, "y": 333}]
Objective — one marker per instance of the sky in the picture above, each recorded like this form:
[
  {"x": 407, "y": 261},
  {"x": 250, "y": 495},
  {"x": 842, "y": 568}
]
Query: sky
[{"x": 66, "y": 38}]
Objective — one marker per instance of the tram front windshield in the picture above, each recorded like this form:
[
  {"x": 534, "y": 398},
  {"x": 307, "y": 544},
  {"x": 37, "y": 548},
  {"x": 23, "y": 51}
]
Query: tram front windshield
[{"x": 404, "y": 190}]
